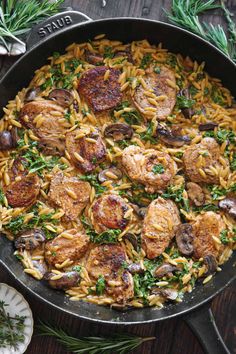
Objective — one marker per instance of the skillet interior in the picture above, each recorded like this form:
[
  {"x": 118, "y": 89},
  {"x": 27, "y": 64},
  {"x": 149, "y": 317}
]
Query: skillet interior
[{"x": 176, "y": 40}]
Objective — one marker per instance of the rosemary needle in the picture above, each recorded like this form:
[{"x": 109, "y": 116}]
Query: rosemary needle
[{"x": 119, "y": 343}]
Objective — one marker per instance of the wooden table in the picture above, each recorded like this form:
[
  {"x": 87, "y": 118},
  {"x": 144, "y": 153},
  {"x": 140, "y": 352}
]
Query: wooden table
[{"x": 173, "y": 336}]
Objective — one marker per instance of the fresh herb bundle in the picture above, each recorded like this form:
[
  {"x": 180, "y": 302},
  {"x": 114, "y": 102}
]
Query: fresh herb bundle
[
  {"x": 119, "y": 343},
  {"x": 17, "y": 17},
  {"x": 11, "y": 328},
  {"x": 186, "y": 14}
]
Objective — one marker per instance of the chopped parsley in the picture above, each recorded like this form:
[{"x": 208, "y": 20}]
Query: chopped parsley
[
  {"x": 132, "y": 118},
  {"x": 172, "y": 61},
  {"x": 221, "y": 135},
  {"x": 35, "y": 162},
  {"x": 108, "y": 53},
  {"x": 157, "y": 70},
  {"x": 217, "y": 96},
  {"x": 100, "y": 285},
  {"x": 108, "y": 236},
  {"x": 148, "y": 134},
  {"x": 17, "y": 224},
  {"x": 184, "y": 102},
  {"x": 158, "y": 169},
  {"x": 93, "y": 180},
  {"x": 224, "y": 237},
  {"x": 146, "y": 60},
  {"x": 176, "y": 194},
  {"x": 77, "y": 268},
  {"x": 206, "y": 207}
]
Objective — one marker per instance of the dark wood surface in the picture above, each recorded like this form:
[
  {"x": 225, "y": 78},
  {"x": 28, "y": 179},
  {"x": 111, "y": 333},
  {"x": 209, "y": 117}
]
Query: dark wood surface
[{"x": 172, "y": 336}]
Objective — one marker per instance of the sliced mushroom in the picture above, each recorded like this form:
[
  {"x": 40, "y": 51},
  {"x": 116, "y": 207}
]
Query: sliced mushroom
[
  {"x": 119, "y": 131},
  {"x": 184, "y": 239},
  {"x": 207, "y": 126},
  {"x": 141, "y": 212},
  {"x": 170, "y": 294},
  {"x": 40, "y": 265},
  {"x": 8, "y": 139},
  {"x": 170, "y": 137},
  {"x": 135, "y": 268},
  {"x": 187, "y": 112},
  {"x": 66, "y": 281},
  {"x": 164, "y": 269},
  {"x": 31, "y": 94},
  {"x": 229, "y": 205},
  {"x": 133, "y": 239},
  {"x": 211, "y": 264},
  {"x": 109, "y": 173},
  {"x": 63, "y": 97},
  {"x": 30, "y": 239},
  {"x": 76, "y": 106}
]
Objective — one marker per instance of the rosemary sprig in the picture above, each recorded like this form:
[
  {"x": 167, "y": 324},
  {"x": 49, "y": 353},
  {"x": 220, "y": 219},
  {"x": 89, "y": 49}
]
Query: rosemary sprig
[
  {"x": 120, "y": 343},
  {"x": 11, "y": 328},
  {"x": 18, "y": 16},
  {"x": 185, "y": 13}
]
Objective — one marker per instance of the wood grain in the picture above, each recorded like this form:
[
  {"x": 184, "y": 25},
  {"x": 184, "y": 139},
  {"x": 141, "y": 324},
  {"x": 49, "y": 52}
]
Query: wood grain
[{"x": 172, "y": 336}]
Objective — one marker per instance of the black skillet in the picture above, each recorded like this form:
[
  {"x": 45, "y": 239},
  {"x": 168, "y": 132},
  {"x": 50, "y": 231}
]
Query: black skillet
[{"x": 54, "y": 35}]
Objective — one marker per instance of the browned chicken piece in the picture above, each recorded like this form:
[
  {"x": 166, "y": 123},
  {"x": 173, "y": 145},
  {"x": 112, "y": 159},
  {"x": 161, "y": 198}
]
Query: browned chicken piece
[
  {"x": 100, "y": 94},
  {"x": 153, "y": 168},
  {"x": 199, "y": 158},
  {"x": 107, "y": 260},
  {"x": 159, "y": 226},
  {"x": 70, "y": 194},
  {"x": 195, "y": 193},
  {"x": 205, "y": 226},
  {"x": 51, "y": 129},
  {"x": 61, "y": 248},
  {"x": 159, "y": 84},
  {"x": 108, "y": 212},
  {"x": 24, "y": 192},
  {"x": 85, "y": 154}
]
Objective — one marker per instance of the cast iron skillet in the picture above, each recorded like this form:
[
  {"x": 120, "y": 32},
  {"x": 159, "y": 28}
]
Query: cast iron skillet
[{"x": 53, "y": 36}]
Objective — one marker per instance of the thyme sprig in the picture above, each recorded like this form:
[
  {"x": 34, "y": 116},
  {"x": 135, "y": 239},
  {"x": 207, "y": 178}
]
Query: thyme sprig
[
  {"x": 186, "y": 14},
  {"x": 18, "y": 16},
  {"x": 11, "y": 328},
  {"x": 120, "y": 343}
]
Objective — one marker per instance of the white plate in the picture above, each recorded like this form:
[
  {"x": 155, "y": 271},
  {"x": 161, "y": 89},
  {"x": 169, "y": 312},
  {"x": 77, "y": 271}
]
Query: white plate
[{"x": 17, "y": 306}]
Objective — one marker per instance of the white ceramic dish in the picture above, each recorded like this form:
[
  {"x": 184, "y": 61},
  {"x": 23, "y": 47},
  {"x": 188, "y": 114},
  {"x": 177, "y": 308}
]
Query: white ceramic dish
[{"x": 17, "y": 305}]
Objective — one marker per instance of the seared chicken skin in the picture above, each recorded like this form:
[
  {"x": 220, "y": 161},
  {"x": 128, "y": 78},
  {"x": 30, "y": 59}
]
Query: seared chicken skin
[
  {"x": 90, "y": 148},
  {"x": 70, "y": 194},
  {"x": 101, "y": 94},
  {"x": 107, "y": 260},
  {"x": 154, "y": 169},
  {"x": 60, "y": 248},
  {"x": 24, "y": 192},
  {"x": 109, "y": 212},
  {"x": 159, "y": 85},
  {"x": 159, "y": 225},
  {"x": 199, "y": 158},
  {"x": 207, "y": 225}
]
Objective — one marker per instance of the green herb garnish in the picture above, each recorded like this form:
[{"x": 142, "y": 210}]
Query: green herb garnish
[
  {"x": 176, "y": 194},
  {"x": 1, "y": 197},
  {"x": 148, "y": 134},
  {"x": 224, "y": 237},
  {"x": 119, "y": 343},
  {"x": 100, "y": 285},
  {"x": 158, "y": 169},
  {"x": 93, "y": 180},
  {"x": 11, "y": 328},
  {"x": 184, "y": 102},
  {"x": 186, "y": 14},
  {"x": 19, "y": 16},
  {"x": 146, "y": 60}
]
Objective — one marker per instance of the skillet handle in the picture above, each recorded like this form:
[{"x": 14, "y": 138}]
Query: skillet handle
[
  {"x": 54, "y": 24},
  {"x": 202, "y": 323}
]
